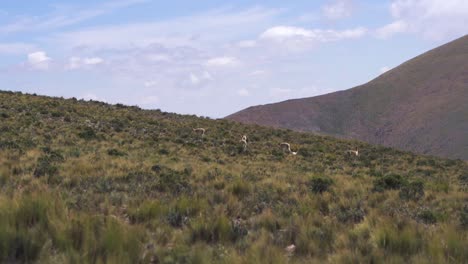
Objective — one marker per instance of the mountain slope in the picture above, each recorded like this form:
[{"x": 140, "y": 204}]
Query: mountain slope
[
  {"x": 88, "y": 182},
  {"x": 421, "y": 106}
]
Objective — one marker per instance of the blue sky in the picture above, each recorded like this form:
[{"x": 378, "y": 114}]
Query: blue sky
[{"x": 213, "y": 58}]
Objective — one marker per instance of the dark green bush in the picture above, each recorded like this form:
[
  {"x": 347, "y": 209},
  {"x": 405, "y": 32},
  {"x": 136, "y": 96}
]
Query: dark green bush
[
  {"x": 463, "y": 179},
  {"x": 173, "y": 181},
  {"x": 320, "y": 184},
  {"x": 45, "y": 167},
  {"x": 350, "y": 214},
  {"x": 115, "y": 152},
  {"x": 156, "y": 168},
  {"x": 213, "y": 231},
  {"x": 9, "y": 145},
  {"x": 163, "y": 151},
  {"x": 412, "y": 191},
  {"x": 88, "y": 134},
  {"x": 427, "y": 216},
  {"x": 389, "y": 182},
  {"x": 117, "y": 124},
  {"x": 177, "y": 218},
  {"x": 464, "y": 216}
]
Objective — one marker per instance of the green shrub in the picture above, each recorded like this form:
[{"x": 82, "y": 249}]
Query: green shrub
[
  {"x": 176, "y": 218},
  {"x": 163, "y": 151},
  {"x": 8, "y": 145},
  {"x": 389, "y": 182},
  {"x": 146, "y": 212},
  {"x": 320, "y": 184},
  {"x": 464, "y": 216},
  {"x": 427, "y": 216},
  {"x": 115, "y": 152},
  {"x": 88, "y": 134},
  {"x": 240, "y": 188},
  {"x": 412, "y": 191},
  {"x": 350, "y": 214},
  {"x": 463, "y": 179},
  {"x": 173, "y": 181},
  {"x": 45, "y": 167},
  {"x": 117, "y": 124},
  {"x": 214, "y": 231}
]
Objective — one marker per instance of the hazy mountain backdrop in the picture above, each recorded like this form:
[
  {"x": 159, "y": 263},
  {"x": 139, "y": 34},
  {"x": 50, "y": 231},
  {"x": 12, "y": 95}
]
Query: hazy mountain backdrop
[{"x": 420, "y": 106}]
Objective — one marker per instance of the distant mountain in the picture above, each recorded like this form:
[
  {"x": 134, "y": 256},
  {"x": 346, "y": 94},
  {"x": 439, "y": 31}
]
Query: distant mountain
[{"x": 420, "y": 106}]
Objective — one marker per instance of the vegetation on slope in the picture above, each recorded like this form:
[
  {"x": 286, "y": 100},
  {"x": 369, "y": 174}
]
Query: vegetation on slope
[{"x": 87, "y": 182}]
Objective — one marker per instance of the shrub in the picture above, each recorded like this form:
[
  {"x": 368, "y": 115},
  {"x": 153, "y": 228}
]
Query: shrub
[
  {"x": 350, "y": 214},
  {"x": 173, "y": 181},
  {"x": 145, "y": 212},
  {"x": 389, "y": 182},
  {"x": 240, "y": 188},
  {"x": 176, "y": 218},
  {"x": 427, "y": 216},
  {"x": 216, "y": 230},
  {"x": 8, "y": 145},
  {"x": 117, "y": 124},
  {"x": 320, "y": 184},
  {"x": 88, "y": 134},
  {"x": 464, "y": 216},
  {"x": 115, "y": 152},
  {"x": 156, "y": 168},
  {"x": 412, "y": 191},
  {"x": 163, "y": 151},
  {"x": 45, "y": 167},
  {"x": 463, "y": 179}
]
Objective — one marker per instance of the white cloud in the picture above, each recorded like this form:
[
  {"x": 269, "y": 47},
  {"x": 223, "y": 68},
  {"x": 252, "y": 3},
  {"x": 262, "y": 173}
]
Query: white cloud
[
  {"x": 258, "y": 73},
  {"x": 151, "y": 83},
  {"x": 207, "y": 76},
  {"x": 194, "y": 79},
  {"x": 159, "y": 57},
  {"x": 78, "y": 63},
  {"x": 222, "y": 62},
  {"x": 285, "y": 32},
  {"x": 298, "y": 39},
  {"x": 92, "y": 61},
  {"x": 391, "y": 29},
  {"x": 433, "y": 19},
  {"x": 198, "y": 78},
  {"x": 338, "y": 10},
  {"x": 247, "y": 44},
  {"x": 243, "y": 92},
  {"x": 39, "y": 60}
]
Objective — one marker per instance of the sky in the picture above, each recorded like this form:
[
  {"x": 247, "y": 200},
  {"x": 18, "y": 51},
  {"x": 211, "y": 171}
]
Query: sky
[{"x": 213, "y": 58}]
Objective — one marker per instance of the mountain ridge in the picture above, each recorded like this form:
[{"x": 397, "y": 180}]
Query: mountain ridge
[{"x": 419, "y": 106}]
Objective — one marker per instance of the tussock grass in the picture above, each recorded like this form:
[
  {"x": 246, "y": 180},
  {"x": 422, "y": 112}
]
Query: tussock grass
[{"x": 87, "y": 182}]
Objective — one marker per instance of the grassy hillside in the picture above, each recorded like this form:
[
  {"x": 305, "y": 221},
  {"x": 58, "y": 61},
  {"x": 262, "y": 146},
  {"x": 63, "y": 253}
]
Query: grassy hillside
[
  {"x": 420, "y": 106},
  {"x": 87, "y": 182}
]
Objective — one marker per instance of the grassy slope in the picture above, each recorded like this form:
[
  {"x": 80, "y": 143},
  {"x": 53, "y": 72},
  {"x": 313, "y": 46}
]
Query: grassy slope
[
  {"x": 87, "y": 182},
  {"x": 419, "y": 106}
]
